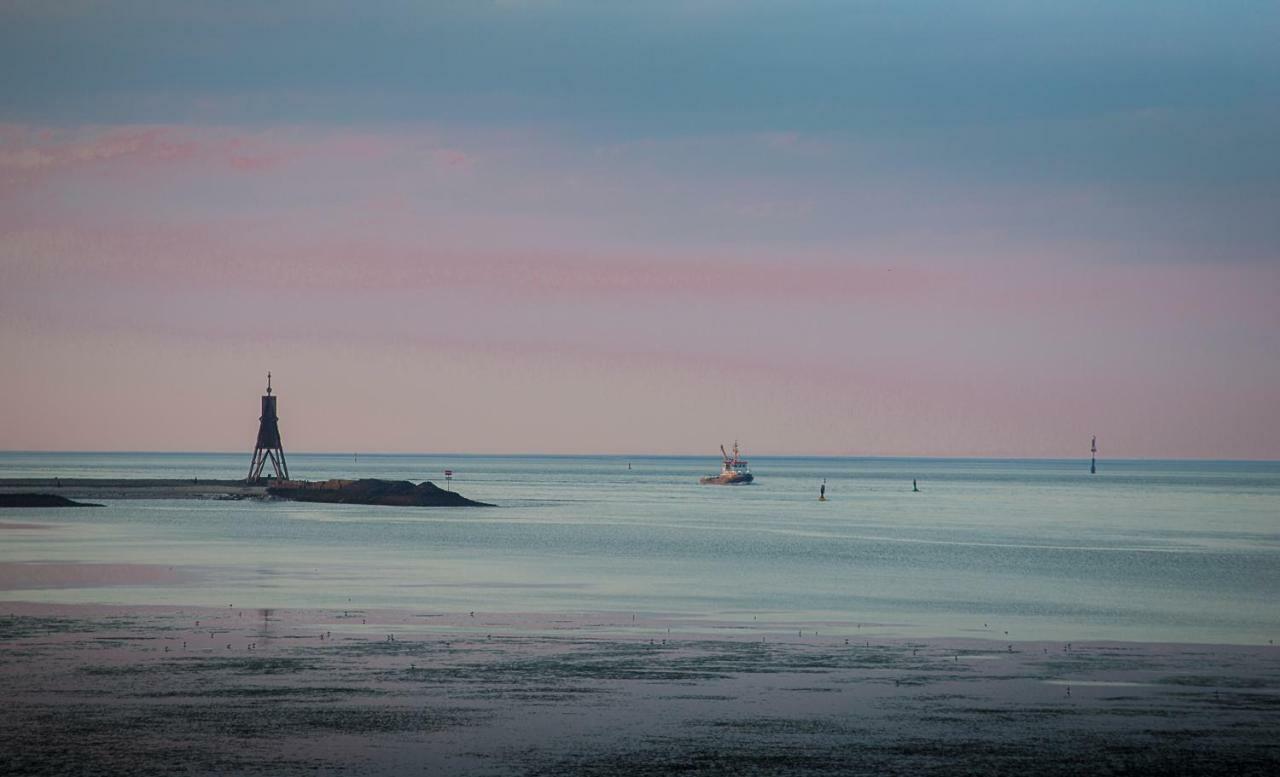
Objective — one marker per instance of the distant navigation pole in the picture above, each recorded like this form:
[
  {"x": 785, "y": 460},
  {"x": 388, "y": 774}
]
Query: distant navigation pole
[
  {"x": 268, "y": 446},
  {"x": 1093, "y": 460}
]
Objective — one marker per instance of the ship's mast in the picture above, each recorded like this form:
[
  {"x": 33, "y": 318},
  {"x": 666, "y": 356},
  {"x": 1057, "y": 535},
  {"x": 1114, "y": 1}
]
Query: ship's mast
[{"x": 1093, "y": 460}]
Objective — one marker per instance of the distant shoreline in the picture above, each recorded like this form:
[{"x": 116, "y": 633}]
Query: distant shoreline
[
  {"x": 135, "y": 488},
  {"x": 672, "y": 456},
  {"x": 30, "y": 499}
]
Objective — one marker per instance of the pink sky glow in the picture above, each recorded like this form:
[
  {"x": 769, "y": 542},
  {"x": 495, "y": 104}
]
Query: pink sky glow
[{"x": 425, "y": 288}]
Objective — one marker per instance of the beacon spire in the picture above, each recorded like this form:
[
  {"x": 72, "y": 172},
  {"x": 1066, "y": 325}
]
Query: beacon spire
[{"x": 268, "y": 447}]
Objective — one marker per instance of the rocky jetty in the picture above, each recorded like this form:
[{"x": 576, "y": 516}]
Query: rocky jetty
[
  {"x": 398, "y": 493},
  {"x": 94, "y": 489},
  {"x": 40, "y": 500}
]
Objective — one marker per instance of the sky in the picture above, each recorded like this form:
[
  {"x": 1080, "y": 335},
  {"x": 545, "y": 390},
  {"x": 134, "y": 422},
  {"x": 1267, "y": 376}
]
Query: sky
[{"x": 909, "y": 227}]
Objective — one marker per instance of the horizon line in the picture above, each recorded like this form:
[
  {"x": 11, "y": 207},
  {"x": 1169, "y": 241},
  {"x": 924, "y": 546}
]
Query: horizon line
[{"x": 625, "y": 456}]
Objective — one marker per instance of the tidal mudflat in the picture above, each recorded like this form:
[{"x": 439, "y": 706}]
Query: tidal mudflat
[
  {"x": 161, "y": 690},
  {"x": 1011, "y": 617}
]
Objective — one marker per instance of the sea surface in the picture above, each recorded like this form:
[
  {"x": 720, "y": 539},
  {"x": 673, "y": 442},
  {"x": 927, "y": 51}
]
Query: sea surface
[{"x": 1169, "y": 551}]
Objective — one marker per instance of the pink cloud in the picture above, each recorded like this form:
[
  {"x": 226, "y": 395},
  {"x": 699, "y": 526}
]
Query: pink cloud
[
  {"x": 452, "y": 157},
  {"x": 30, "y": 149},
  {"x": 796, "y": 143},
  {"x": 255, "y": 163},
  {"x": 31, "y": 155}
]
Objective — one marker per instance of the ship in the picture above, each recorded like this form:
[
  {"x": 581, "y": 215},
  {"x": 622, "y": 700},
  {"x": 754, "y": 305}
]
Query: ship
[{"x": 733, "y": 472}]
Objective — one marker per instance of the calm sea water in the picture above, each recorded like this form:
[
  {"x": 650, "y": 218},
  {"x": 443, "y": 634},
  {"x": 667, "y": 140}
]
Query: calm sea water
[{"x": 1144, "y": 550}]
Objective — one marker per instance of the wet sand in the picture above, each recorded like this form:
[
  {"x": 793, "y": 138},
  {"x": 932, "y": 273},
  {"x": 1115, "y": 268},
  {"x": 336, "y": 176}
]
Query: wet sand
[
  {"x": 19, "y": 575},
  {"x": 158, "y": 690}
]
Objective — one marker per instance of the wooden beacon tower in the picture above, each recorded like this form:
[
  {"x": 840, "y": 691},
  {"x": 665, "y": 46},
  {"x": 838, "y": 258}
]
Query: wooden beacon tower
[{"x": 268, "y": 447}]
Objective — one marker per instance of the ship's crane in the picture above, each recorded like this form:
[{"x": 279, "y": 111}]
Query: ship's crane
[{"x": 730, "y": 459}]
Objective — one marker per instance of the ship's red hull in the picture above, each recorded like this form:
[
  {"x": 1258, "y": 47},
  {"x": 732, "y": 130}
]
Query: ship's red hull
[{"x": 728, "y": 479}]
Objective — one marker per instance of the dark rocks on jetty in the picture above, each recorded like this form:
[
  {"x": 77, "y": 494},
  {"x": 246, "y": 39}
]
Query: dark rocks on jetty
[
  {"x": 40, "y": 500},
  {"x": 398, "y": 493}
]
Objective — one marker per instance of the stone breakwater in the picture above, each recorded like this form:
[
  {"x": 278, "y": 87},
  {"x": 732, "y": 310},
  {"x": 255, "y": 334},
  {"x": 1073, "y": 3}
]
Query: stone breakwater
[{"x": 396, "y": 493}]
